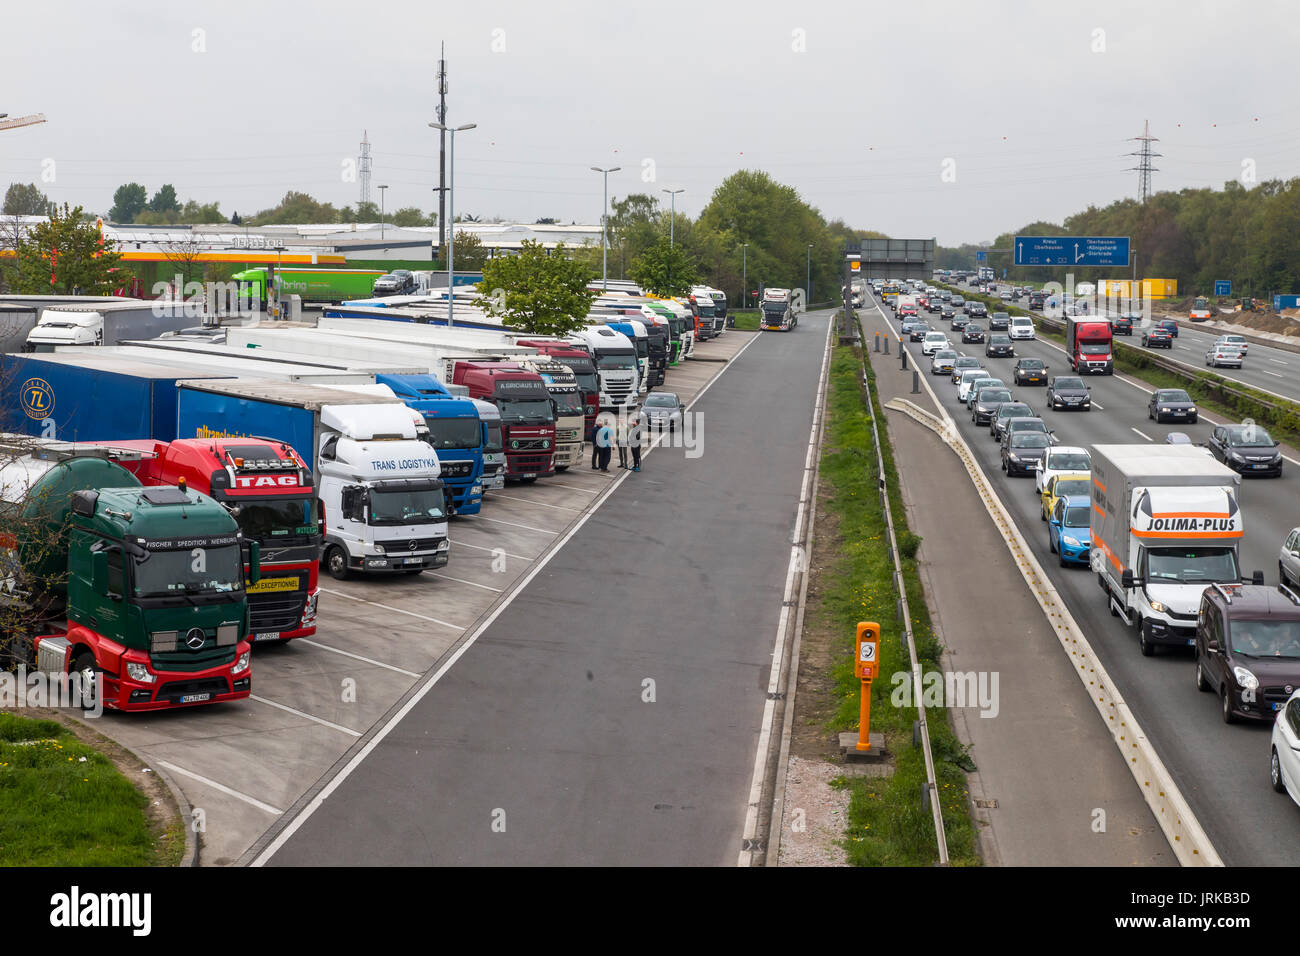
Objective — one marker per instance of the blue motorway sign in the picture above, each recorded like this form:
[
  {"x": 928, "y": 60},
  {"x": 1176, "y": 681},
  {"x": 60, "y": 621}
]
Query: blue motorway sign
[
  {"x": 1072, "y": 250},
  {"x": 982, "y": 256},
  {"x": 1222, "y": 287}
]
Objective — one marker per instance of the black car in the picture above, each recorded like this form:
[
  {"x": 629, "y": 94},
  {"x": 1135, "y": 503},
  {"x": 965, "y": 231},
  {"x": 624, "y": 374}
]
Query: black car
[
  {"x": 1122, "y": 324},
  {"x": 948, "y": 312},
  {"x": 935, "y": 304},
  {"x": 1023, "y": 452},
  {"x": 1030, "y": 371},
  {"x": 945, "y": 296},
  {"x": 1248, "y": 648},
  {"x": 999, "y": 322},
  {"x": 1004, "y": 413},
  {"x": 1157, "y": 338},
  {"x": 1036, "y": 300},
  {"x": 1173, "y": 404},
  {"x": 1248, "y": 449},
  {"x": 917, "y": 331},
  {"x": 972, "y": 332},
  {"x": 959, "y": 321},
  {"x": 907, "y": 325},
  {"x": 1068, "y": 391},
  {"x": 985, "y": 403},
  {"x": 999, "y": 346}
]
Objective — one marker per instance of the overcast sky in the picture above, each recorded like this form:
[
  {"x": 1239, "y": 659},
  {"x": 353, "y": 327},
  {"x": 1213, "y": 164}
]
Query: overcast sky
[{"x": 862, "y": 107}]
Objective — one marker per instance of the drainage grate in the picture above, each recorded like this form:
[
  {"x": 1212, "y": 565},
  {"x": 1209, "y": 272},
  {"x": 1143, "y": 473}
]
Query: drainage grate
[{"x": 986, "y": 804}]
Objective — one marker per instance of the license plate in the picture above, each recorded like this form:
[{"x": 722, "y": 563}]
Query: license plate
[
  {"x": 1277, "y": 707},
  {"x": 529, "y": 474},
  {"x": 1180, "y": 413},
  {"x": 1259, "y": 466},
  {"x": 267, "y": 636},
  {"x": 195, "y": 698},
  {"x": 413, "y": 560},
  {"x": 1191, "y": 641}
]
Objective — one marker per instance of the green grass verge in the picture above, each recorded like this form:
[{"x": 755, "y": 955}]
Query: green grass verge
[
  {"x": 63, "y": 803},
  {"x": 745, "y": 320},
  {"x": 887, "y": 825}
]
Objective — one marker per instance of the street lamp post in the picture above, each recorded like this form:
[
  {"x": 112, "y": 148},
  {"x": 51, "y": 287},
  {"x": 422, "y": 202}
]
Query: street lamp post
[
  {"x": 744, "y": 274},
  {"x": 672, "y": 216},
  {"x": 381, "y": 212},
  {"x": 604, "y": 216},
  {"x": 807, "y": 287},
  {"x": 451, "y": 210}
]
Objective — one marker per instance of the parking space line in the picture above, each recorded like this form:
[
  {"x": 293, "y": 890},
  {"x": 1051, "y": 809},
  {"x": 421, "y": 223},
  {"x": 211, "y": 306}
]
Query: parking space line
[
  {"x": 251, "y": 801},
  {"x": 367, "y": 660},
  {"x": 1147, "y": 437},
  {"x": 306, "y": 716},
  {"x": 560, "y": 484},
  {"x": 479, "y": 547},
  {"x": 515, "y": 524},
  {"x": 448, "y": 577},
  {"x": 529, "y": 501},
  {"x": 389, "y": 607}
]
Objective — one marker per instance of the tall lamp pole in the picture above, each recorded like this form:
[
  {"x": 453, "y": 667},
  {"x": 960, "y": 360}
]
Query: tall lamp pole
[
  {"x": 451, "y": 209},
  {"x": 807, "y": 288},
  {"x": 744, "y": 275},
  {"x": 604, "y": 216},
  {"x": 381, "y": 212},
  {"x": 672, "y": 216}
]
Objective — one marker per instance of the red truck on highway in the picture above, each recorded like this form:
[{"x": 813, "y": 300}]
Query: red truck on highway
[
  {"x": 527, "y": 415},
  {"x": 1089, "y": 343}
]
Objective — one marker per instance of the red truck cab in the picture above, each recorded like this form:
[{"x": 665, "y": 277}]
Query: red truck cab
[
  {"x": 270, "y": 492},
  {"x": 584, "y": 369},
  {"x": 1089, "y": 343},
  {"x": 527, "y": 415}
]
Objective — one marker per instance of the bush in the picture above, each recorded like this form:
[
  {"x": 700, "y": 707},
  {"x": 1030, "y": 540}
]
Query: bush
[{"x": 908, "y": 544}]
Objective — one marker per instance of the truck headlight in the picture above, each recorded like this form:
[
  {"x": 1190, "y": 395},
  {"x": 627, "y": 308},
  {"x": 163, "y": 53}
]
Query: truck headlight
[
  {"x": 1157, "y": 607},
  {"x": 444, "y": 545},
  {"x": 379, "y": 549},
  {"x": 139, "y": 673},
  {"x": 1245, "y": 678},
  {"x": 242, "y": 663}
]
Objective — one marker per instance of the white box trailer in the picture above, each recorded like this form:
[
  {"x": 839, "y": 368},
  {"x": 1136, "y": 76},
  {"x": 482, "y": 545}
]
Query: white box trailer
[
  {"x": 391, "y": 364},
  {"x": 108, "y": 323},
  {"x": 237, "y": 368},
  {"x": 1166, "y": 524}
]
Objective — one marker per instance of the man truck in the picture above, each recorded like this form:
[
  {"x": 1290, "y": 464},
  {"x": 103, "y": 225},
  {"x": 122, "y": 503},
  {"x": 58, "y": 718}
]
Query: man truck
[
  {"x": 138, "y": 591},
  {"x": 1166, "y": 524}
]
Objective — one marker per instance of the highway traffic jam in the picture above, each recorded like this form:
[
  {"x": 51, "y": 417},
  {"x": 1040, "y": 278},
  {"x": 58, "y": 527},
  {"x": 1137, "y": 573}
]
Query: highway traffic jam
[{"x": 1166, "y": 522}]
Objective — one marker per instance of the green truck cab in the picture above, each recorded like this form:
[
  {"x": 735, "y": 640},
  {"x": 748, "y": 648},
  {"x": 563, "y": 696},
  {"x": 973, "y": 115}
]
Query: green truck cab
[{"x": 139, "y": 590}]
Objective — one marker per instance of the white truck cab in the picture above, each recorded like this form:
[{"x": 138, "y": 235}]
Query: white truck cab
[{"x": 616, "y": 364}]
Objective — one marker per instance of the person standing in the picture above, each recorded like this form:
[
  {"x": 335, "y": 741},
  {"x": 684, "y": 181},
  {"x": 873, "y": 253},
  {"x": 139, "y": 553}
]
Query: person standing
[
  {"x": 636, "y": 438},
  {"x": 621, "y": 436},
  {"x": 604, "y": 440}
]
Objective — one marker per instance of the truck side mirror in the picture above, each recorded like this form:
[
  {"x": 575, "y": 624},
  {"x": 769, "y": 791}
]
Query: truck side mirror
[
  {"x": 1212, "y": 646},
  {"x": 1126, "y": 579},
  {"x": 254, "y": 562},
  {"x": 1257, "y": 577}
]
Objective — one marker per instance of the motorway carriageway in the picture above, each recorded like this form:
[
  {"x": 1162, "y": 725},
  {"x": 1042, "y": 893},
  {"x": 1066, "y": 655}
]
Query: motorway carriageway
[
  {"x": 1221, "y": 770},
  {"x": 244, "y": 765},
  {"x": 610, "y": 714}
]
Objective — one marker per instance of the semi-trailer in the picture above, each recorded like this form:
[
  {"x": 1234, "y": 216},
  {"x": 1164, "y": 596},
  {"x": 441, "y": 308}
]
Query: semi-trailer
[
  {"x": 1166, "y": 524},
  {"x": 233, "y": 367},
  {"x": 140, "y": 592},
  {"x": 527, "y": 418},
  {"x": 314, "y": 285},
  {"x": 107, "y": 323},
  {"x": 379, "y": 486}
]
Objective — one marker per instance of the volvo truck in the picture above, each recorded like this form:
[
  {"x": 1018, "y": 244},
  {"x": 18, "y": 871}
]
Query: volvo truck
[{"x": 527, "y": 417}]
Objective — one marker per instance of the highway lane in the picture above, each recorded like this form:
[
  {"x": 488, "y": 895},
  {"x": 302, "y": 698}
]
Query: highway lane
[
  {"x": 1222, "y": 770},
  {"x": 545, "y": 744}
]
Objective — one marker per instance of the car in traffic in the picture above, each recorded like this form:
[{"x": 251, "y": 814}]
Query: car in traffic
[
  {"x": 948, "y": 311},
  {"x": 999, "y": 346},
  {"x": 1069, "y": 530},
  {"x": 1248, "y": 649},
  {"x": 662, "y": 408},
  {"x": 1288, "y": 560},
  {"x": 1284, "y": 749},
  {"x": 1069, "y": 391},
  {"x": 985, "y": 401},
  {"x": 1219, "y": 356},
  {"x": 1169, "y": 325},
  {"x": 1000, "y": 322},
  {"x": 917, "y": 332},
  {"x": 1237, "y": 342},
  {"x": 1157, "y": 338},
  {"x": 965, "y": 378},
  {"x": 1004, "y": 413},
  {"x": 957, "y": 302},
  {"x": 1247, "y": 449},
  {"x": 976, "y": 310},
  {"x": 1030, "y": 371},
  {"x": 973, "y": 332},
  {"x": 906, "y": 327},
  {"x": 1023, "y": 451},
  {"x": 1022, "y": 327},
  {"x": 933, "y": 342},
  {"x": 934, "y": 304},
  {"x": 1062, "y": 485},
  {"x": 946, "y": 296},
  {"x": 1037, "y": 300},
  {"x": 1122, "y": 324},
  {"x": 965, "y": 363},
  {"x": 907, "y": 310},
  {"x": 959, "y": 321},
  {"x": 1063, "y": 459},
  {"x": 1031, "y": 424},
  {"x": 966, "y": 389},
  {"x": 1182, "y": 438},
  {"x": 941, "y": 362},
  {"x": 1173, "y": 404}
]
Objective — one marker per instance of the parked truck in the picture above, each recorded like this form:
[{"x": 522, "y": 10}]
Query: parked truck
[
  {"x": 379, "y": 486},
  {"x": 270, "y": 492},
  {"x": 109, "y": 323},
  {"x": 1089, "y": 344},
  {"x": 567, "y": 403},
  {"x": 777, "y": 311},
  {"x": 616, "y": 364},
  {"x": 494, "y": 448},
  {"x": 1166, "y": 524},
  {"x": 527, "y": 418},
  {"x": 637, "y": 334},
  {"x": 138, "y": 591},
  {"x": 579, "y": 361},
  {"x": 314, "y": 285}
]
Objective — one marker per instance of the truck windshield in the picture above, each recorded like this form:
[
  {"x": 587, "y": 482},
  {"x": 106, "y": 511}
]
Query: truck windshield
[
  {"x": 525, "y": 412},
  {"x": 282, "y": 518},
  {"x": 191, "y": 571},
  {"x": 447, "y": 433},
  {"x": 1192, "y": 564},
  {"x": 406, "y": 507},
  {"x": 1095, "y": 349},
  {"x": 568, "y": 404},
  {"x": 494, "y": 442},
  {"x": 1266, "y": 638},
  {"x": 612, "y": 360}
]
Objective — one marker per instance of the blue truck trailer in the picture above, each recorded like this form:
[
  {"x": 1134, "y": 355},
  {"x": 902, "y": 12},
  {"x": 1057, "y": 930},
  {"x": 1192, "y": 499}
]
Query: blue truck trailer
[
  {"x": 89, "y": 397},
  {"x": 455, "y": 431}
]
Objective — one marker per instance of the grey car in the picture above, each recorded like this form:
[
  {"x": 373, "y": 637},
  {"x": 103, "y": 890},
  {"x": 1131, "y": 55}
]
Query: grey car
[
  {"x": 1023, "y": 451},
  {"x": 1288, "y": 560},
  {"x": 1069, "y": 391},
  {"x": 1173, "y": 404},
  {"x": 987, "y": 401},
  {"x": 660, "y": 409},
  {"x": 1004, "y": 413}
]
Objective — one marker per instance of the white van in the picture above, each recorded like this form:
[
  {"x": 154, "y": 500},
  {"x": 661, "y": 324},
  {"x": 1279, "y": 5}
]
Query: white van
[{"x": 1022, "y": 327}]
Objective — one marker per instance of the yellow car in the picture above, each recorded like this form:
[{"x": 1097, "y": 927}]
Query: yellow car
[{"x": 1062, "y": 486}]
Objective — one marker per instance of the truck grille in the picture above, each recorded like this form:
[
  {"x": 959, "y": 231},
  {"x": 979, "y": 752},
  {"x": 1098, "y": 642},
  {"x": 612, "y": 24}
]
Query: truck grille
[
  {"x": 403, "y": 545},
  {"x": 619, "y": 392},
  {"x": 456, "y": 469},
  {"x": 530, "y": 444},
  {"x": 568, "y": 434},
  {"x": 531, "y": 463},
  {"x": 277, "y": 612}
]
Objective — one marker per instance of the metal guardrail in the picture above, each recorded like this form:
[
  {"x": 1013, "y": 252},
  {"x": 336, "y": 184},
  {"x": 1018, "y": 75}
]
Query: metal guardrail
[{"x": 900, "y": 583}]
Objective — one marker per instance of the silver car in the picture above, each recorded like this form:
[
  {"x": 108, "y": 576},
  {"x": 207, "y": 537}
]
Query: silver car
[
  {"x": 1288, "y": 560},
  {"x": 660, "y": 409}
]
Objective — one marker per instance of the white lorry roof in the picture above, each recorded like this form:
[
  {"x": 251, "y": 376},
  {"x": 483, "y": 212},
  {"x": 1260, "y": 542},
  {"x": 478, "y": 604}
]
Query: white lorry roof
[
  {"x": 310, "y": 397},
  {"x": 1143, "y": 462}
]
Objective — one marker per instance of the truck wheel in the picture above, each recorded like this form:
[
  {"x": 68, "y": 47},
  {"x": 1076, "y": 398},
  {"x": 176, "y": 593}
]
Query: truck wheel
[
  {"x": 1144, "y": 643},
  {"x": 1225, "y": 709},
  {"x": 1275, "y": 771},
  {"x": 85, "y": 666},
  {"x": 336, "y": 562}
]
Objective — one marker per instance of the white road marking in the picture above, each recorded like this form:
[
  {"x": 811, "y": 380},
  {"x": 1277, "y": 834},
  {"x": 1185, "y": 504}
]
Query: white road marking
[
  {"x": 1274, "y": 374},
  {"x": 306, "y": 716},
  {"x": 515, "y": 524},
  {"x": 1147, "y": 437},
  {"x": 528, "y": 501},
  {"x": 1097, "y": 404},
  {"x": 473, "y": 584},
  {"x": 356, "y": 657},
  {"x": 396, "y": 610},
  {"x": 478, "y": 547},
  {"x": 550, "y": 482},
  {"x": 251, "y": 801}
]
